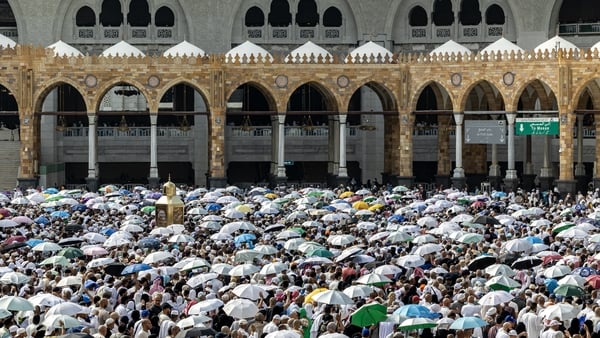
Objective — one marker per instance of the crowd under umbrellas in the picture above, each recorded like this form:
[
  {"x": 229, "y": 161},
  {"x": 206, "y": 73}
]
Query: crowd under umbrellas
[{"x": 289, "y": 263}]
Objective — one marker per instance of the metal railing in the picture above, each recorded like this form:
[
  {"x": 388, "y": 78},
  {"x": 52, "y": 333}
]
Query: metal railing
[
  {"x": 293, "y": 131},
  {"x": 584, "y": 28},
  {"x": 131, "y": 132}
]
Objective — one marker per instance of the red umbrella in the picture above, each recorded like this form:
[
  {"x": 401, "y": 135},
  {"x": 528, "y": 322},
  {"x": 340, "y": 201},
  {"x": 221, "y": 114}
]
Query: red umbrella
[
  {"x": 551, "y": 258},
  {"x": 14, "y": 239},
  {"x": 594, "y": 281},
  {"x": 4, "y": 213},
  {"x": 478, "y": 204}
]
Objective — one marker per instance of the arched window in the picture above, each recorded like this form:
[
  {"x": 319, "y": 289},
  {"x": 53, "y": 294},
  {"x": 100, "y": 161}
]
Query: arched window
[
  {"x": 254, "y": 17},
  {"x": 111, "y": 15},
  {"x": 85, "y": 17},
  {"x": 139, "y": 13},
  {"x": 577, "y": 11},
  {"x": 164, "y": 17},
  {"x": 494, "y": 15},
  {"x": 470, "y": 15},
  {"x": 442, "y": 13},
  {"x": 280, "y": 15},
  {"x": 332, "y": 17},
  {"x": 7, "y": 17},
  {"x": 417, "y": 17},
  {"x": 307, "y": 15}
]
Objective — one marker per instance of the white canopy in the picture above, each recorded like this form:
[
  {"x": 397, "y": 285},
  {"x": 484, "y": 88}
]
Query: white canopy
[
  {"x": 122, "y": 49},
  {"x": 248, "y": 49},
  {"x": 595, "y": 46},
  {"x": 502, "y": 45},
  {"x": 64, "y": 49},
  {"x": 184, "y": 48},
  {"x": 368, "y": 50},
  {"x": 451, "y": 47},
  {"x": 309, "y": 50},
  {"x": 554, "y": 43},
  {"x": 6, "y": 42}
]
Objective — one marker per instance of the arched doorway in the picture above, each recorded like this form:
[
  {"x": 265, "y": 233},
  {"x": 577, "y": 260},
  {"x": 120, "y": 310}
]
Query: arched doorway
[{"x": 9, "y": 139}]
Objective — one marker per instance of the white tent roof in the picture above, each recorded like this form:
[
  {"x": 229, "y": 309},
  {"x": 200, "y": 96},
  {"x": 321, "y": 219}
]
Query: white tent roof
[
  {"x": 595, "y": 46},
  {"x": 555, "y": 42},
  {"x": 502, "y": 45},
  {"x": 122, "y": 49},
  {"x": 247, "y": 48},
  {"x": 451, "y": 47},
  {"x": 7, "y": 42},
  {"x": 368, "y": 50},
  {"x": 64, "y": 49},
  {"x": 309, "y": 49},
  {"x": 184, "y": 48}
]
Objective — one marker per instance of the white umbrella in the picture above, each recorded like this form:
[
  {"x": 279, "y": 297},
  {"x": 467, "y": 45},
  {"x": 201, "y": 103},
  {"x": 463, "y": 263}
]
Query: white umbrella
[
  {"x": 574, "y": 233},
  {"x": 556, "y": 271},
  {"x": 572, "y": 280},
  {"x": 427, "y": 221},
  {"x": 98, "y": 262},
  {"x": 60, "y": 321},
  {"x": 249, "y": 291},
  {"x": 266, "y": 249},
  {"x": 15, "y": 303},
  {"x": 273, "y": 268},
  {"x": 47, "y": 247},
  {"x": 221, "y": 268},
  {"x": 427, "y": 249},
  {"x": 45, "y": 299},
  {"x": 358, "y": 291},
  {"x": 94, "y": 237},
  {"x": 69, "y": 281},
  {"x": 198, "y": 280},
  {"x": 161, "y": 231},
  {"x": 500, "y": 269},
  {"x": 194, "y": 263},
  {"x": 410, "y": 261},
  {"x": 193, "y": 321},
  {"x": 341, "y": 240},
  {"x": 247, "y": 255},
  {"x": 181, "y": 238},
  {"x": 243, "y": 270},
  {"x": 240, "y": 308},
  {"x": 563, "y": 311},
  {"x": 373, "y": 279},
  {"x": 284, "y": 334},
  {"x": 14, "y": 278},
  {"x": 422, "y": 239},
  {"x": 387, "y": 269},
  {"x": 293, "y": 243},
  {"x": 518, "y": 245},
  {"x": 494, "y": 298},
  {"x": 333, "y": 297},
  {"x": 158, "y": 256},
  {"x": 205, "y": 306}
]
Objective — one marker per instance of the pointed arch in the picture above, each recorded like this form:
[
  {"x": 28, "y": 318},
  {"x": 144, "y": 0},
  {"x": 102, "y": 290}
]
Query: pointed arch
[
  {"x": 443, "y": 97},
  {"x": 139, "y": 13},
  {"x": 187, "y": 82},
  {"x": 85, "y": 17},
  {"x": 279, "y": 15},
  {"x": 385, "y": 95},
  {"x": 329, "y": 99},
  {"x": 539, "y": 88},
  {"x": 45, "y": 88},
  {"x": 332, "y": 17},
  {"x": 487, "y": 96},
  {"x": 417, "y": 17},
  {"x": 469, "y": 14},
  {"x": 164, "y": 17},
  {"x": 106, "y": 87},
  {"x": 443, "y": 15},
  {"x": 111, "y": 14},
  {"x": 254, "y": 17},
  {"x": 307, "y": 15},
  {"x": 494, "y": 15}
]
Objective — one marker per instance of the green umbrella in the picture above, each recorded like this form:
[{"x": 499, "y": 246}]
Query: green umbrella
[
  {"x": 562, "y": 227},
  {"x": 567, "y": 290},
  {"x": 476, "y": 226},
  {"x": 70, "y": 252},
  {"x": 319, "y": 252},
  {"x": 470, "y": 238},
  {"x": 315, "y": 193},
  {"x": 148, "y": 209},
  {"x": 502, "y": 283},
  {"x": 369, "y": 314},
  {"x": 416, "y": 324},
  {"x": 370, "y": 199},
  {"x": 53, "y": 198},
  {"x": 298, "y": 230},
  {"x": 55, "y": 260}
]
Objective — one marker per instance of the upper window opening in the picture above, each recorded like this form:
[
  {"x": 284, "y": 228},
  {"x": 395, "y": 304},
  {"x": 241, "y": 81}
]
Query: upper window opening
[
  {"x": 280, "y": 15},
  {"x": 111, "y": 15},
  {"x": 494, "y": 15},
  {"x": 332, "y": 17},
  {"x": 139, "y": 13},
  {"x": 85, "y": 17},
  {"x": 417, "y": 17},
  {"x": 164, "y": 17},
  {"x": 307, "y": 14},
  {"x": 470, "y": 15},
  {"x": 442, "y": 13},
  {"x": 255, "y": 17}
]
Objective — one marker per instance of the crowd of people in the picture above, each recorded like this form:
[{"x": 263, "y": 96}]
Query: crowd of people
[{"x": 286, "y": 263}]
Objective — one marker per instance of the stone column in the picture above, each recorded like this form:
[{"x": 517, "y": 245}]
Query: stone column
[
  {"x": 511, "y": 181},
  {"x": 495, "y": 173},
  {"x": 216, "y": 120},
  {"x": 566, "y": 181},
  {"x": 342, "y": 174},
  {"x": 153, "y": 179},
  {"x": 442, "y": 178},
  {"x": 580, "y": 167},
  {"x": 597, "y": 152},
  {"x": 281, "y": 174},
  {"x": 407, "y": 124},
  {"x": 458, "y": 178},
  {"x": 27, "y": 169},
  {"x": 92, "y": 178},
  {"x": 546, "y": 178},
  {"x": 528, "y": 179},
  {"x": 334, "y": 150}
]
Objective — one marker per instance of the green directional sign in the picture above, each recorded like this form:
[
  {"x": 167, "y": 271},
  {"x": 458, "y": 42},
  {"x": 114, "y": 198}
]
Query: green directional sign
[{"x": 537, "y": 126}]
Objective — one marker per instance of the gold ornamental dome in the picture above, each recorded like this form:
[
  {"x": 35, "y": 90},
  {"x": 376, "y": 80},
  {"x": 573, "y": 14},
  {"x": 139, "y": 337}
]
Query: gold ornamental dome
[{"x": 169, "y": 188}]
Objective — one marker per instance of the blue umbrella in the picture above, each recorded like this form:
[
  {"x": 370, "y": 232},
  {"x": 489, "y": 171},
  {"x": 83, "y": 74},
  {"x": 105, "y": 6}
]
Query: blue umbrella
[
  {"x": 415, "y": 311},
  {"x": 329, "y": 207},
  {"x": 465, "y": 323},
  {"x": 584, "y": 271},
  {"x": 50, "y": 191},
  {"x": 34, "y": 242},
  {"x": 396, "y": 219},
  {"x": 213, "y": 207},
  {"x": 135, "y": 268},
  {"x": 124, "y": 192},
  {"x": 108, "y": 231},
  {"x": 244, "y": 238},
  {"x": 551, "y": 284},
  {"x": 149, "y": 242},
  {"x": 41, "y": 220},
  {"x": 534, "y": 240},
  {"x": 79, "y": 207},
  {"x": 498, "y": 194},
  {"x": 59, "y": 214}
]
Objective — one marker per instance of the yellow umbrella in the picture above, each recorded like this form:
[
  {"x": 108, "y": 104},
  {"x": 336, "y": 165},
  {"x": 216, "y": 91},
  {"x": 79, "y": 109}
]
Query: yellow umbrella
[
  {"x": 271, "y": 195},
  {"x": 243, "y": 208},
  {"x": 346, "y": 194},
  {"x": 375, "y": 207},
  {"x": 360, "y": 205},
  {"x": 308, "y": 298}
]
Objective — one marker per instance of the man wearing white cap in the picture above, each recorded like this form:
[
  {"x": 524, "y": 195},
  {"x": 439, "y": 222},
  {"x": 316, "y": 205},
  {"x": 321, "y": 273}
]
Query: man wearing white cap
[{"x": 553, "y": 330}]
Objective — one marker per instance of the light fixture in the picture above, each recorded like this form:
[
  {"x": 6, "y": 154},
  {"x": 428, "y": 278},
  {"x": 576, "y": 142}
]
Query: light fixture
[
  {"x": 247, "y": 124},
  {"x": 367, "y": 127},
  {"x": 123, "y": 124},
  {"x": 61, "y": 125},
  {"x": 127, "y": 91},
  {"x": 308, "y": 123},
  {"x": 184, "y": 125}
]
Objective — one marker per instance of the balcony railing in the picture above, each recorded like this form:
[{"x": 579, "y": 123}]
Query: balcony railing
[
  {"x": 282, "y": 34},
  {"x": 588, "y": 132},
  {"x": 292, "y": 131},
  {"x": 588, "y": 28},
  {"x": 131, "y": 132}
]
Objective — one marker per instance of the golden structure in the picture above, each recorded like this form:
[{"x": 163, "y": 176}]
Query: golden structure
[
  {"x": 506, "y": 81},
  {"x": 169, "y": 208}
]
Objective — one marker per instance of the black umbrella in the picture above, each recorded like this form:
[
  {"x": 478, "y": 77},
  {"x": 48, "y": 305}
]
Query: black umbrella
[
  {"x": 200, "y": 332},
  {"x": 70, "y": 241},
  {"x": 274, "y": 227},
  {"x": 12, "y": 246},
  {"x": 73, "y": 227},
  {"x": 484, "y": 219},
  {"x": 526, "y": 263},
  {"x": 114, "y": 269},
  {"x": 481, "y": 262}
]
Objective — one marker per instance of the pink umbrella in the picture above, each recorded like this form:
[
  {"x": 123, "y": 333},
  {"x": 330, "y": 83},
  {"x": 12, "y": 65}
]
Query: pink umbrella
[
  {"x": 22, "y": 220},
  {"x": 95, "y": 251}
]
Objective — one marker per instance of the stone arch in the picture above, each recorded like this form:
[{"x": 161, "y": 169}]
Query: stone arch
[
  {"x": 41, "y": 94},
  {"x": 436, "y": 85},
  {"x": 181, "y": 80},
  {"x": 591, "y": 83},
  {"x": 103, "y": 90},
  {"x": 489, "y": 90},
  {"x": 262, "y": 88},
  {"x": 19, "y": 17},
  {"x": 330, "y": 99},
  {"x": 386, "y": 95},
  {"x": 538, "y": 85}
]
